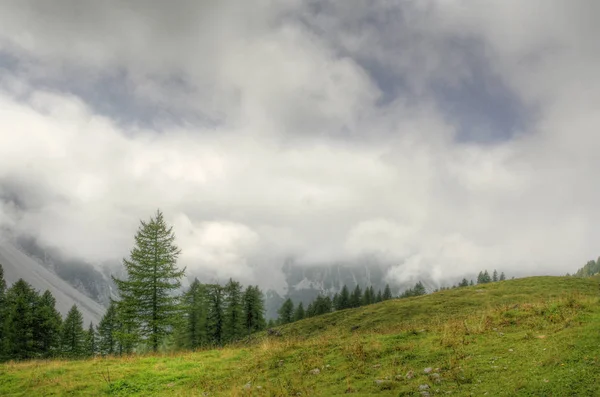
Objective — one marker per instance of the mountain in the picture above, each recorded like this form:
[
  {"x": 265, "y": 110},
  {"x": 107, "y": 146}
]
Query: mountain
[{"x": 18, "y": 265}]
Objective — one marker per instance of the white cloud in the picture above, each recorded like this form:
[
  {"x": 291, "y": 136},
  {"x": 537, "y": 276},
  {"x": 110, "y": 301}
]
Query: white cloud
[{"x": 301, "y": 160}]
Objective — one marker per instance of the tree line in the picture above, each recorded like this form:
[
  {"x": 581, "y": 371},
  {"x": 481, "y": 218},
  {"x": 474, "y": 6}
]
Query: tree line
[
  {"x": 149, "y": 314},
  {"x": 31, "y": 327},
  {"x": 345, "y": 299}
]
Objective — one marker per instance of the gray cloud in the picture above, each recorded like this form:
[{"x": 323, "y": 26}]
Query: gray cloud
[{"x": 314, "y": 130}]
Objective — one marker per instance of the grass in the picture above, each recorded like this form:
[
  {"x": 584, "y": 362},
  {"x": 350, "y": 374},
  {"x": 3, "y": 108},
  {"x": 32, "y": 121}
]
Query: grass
[{"x": 537, "y": 336}]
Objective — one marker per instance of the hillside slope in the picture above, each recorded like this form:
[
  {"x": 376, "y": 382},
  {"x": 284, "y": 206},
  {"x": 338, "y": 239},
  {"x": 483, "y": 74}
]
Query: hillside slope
[
  {"x": 526, "y": 337},
  {"x": 18, "y": 265}
]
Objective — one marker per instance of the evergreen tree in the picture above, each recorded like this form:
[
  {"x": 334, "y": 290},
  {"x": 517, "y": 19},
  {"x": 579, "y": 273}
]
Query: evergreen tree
[
  {"x": 310, "y": 310},
  {"x": 322, "y": 305},
  {"x": 286, "y": 312},
  {"x": 344, "y": 300},
  {"x": 502, "y": 276},
  {"x": 356, "y": 297},
  {"x": 366, "y": 298},
  {"x": 299, "y": 313},
  {"x": 379, "y": 297},
  {"x": 91, "y": 347},
  {"x": 73, "y": 335},
  {"x": 495, "y": 276},
  {"x": 270, "y": 323},
  {"x": 471, "y": 282},
  {"x": 336, "y": 301},
  {"x": 107, "y": 331},
  {"x": 196, "y": 307},
  {"x": 233, "y": 327},
  {"x": 127, "y": 330},
  {"x": 387, "y": 293},
  {"x": 254, "y": 310},
  {"x": 47, "y": 325},
  {"x": 480, "y": 279},
  {"x": 19, "y": 322},
  {"x": 463, "y": 283},
  {"x": 215, "y": 314},
  {"x": 486, "y": 277},
  {"x": 152, "y": 277},
  {"x": 2, "y": 309}
]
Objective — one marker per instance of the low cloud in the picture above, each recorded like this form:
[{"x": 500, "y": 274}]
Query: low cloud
[{"x": 312, "y": 131}]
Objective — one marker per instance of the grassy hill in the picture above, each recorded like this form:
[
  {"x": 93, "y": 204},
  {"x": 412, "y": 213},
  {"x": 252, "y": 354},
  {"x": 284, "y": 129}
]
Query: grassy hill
[{"x": 537, "y": 336}]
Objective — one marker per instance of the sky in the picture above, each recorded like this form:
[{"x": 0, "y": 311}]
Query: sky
[{"x": 442, "y": 137}]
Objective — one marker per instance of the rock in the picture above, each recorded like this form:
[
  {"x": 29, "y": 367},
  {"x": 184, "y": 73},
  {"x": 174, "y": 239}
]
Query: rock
[
  {"x": 328, "y": 366},
  {"x": 379, "y": 382},
  {"x": 315, "y": 371},
  {"x": 410, "y": 375},
  {"x": 377, "y": 366},
  {"x": 273, "y": 332},
  {"x": 423, "y": 387},
  {"x": 425, "y": 394},
  {"x": 259, "y": 387},
  {"x": 428, "y": 370},
  {"x": 435, "y": 375},
  {"x": 248, "y": 386},
  {"x": 510, "y": 350}
]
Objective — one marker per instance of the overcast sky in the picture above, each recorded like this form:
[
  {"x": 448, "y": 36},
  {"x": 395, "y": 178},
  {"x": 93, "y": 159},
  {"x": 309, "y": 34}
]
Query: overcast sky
[{"x": 442, "y": 136}]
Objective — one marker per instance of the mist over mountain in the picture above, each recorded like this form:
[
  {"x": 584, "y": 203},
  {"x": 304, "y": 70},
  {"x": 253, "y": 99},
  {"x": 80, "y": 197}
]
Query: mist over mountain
[{"x": 18, "y": 265}]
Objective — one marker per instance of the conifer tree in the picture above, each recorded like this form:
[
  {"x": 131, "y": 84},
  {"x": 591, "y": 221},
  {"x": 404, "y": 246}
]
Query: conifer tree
[
  {"x": 471, "y": 282},
  {"x": 2, "y": 309},
  {"x": 254, "y": 310},
  {"x": 336, "y": 301},
  {"x": 152, "y": 277},
  {"x": 91, "y": 347},
  {"x": 128, "y": 326},
  {"x": 379, "y": 297},
  {"x": 196, "y": 315},
  {"x": 19, "y": 322},
  {"x": 387, "y": 293},
  {"x": 233, "y": 327},
  {"x": 73, "y": 335},
  {"x": 502, "y": 276},
  {"x": 107, "y": 331},
  {"x": 463, "y": 283},
  {"x": 310, "y": 310},
  {"x": 356, "y": 297},
  {"x": 271, "y": 323},
  {"x": 495, "y": 276},
  {"x": 299, "y": 313},
  {"x": 215, "y": 314},
  {"x": 47, "y": 325},
  {"x": 344, "y": 300},
  {"x": 286, "y": 312}
]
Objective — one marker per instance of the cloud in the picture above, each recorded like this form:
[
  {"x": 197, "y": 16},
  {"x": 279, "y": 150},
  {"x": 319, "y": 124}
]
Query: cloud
[{"x": 312, "y": 130}]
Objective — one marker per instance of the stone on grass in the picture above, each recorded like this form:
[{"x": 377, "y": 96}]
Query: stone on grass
[
  {"x": 315, "y": 371},
  {"x": 428, "y": 370},
  {"x": 248, "y": 386},
  {"x": 410, "y": 375},
  {"x": 423, "y": 387}
]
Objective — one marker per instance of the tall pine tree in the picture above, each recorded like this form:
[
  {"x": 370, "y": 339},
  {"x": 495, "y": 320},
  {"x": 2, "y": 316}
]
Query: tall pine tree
[
  {"x": 107, "y": 331},
  {"x": 152, "y": 278},
  {"x": 299, "y": 312},
  {"x": 387, "y": 293},
  {"x": 2, "y": 308},
  {"x": 215, "y": 315},
  {"x": 47, "y": 325},
  {"x": 286, "y": 312},
  {"x": 73, "y": 335},
  {"x": 233, "y": 327},
  {"x": 91, "y": 341},
  {"x": 254, "y": 310},
  {"x": 195, "y": 301},
  {"x": 19, "y": 322}
]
